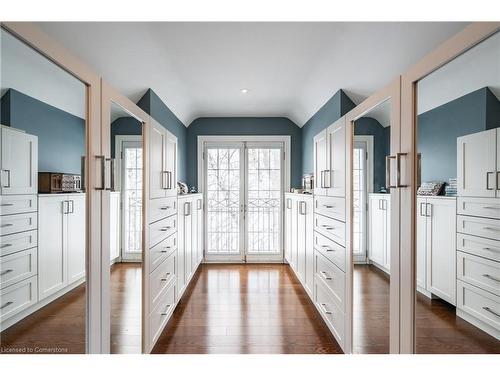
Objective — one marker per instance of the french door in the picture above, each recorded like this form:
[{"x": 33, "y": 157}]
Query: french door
[
  {"x": 244, "y": 199},
  {"x": 359, "y": 187}
]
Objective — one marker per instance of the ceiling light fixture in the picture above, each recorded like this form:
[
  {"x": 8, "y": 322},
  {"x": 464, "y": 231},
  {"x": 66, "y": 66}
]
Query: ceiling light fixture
[{"x": 244, "y": 91}]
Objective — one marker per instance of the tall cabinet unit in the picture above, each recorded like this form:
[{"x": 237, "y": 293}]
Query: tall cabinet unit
[
  {"x": 329, "y": 228},
  {"x": 478, "y": 230},
  {"x": 299, "y": 252}
]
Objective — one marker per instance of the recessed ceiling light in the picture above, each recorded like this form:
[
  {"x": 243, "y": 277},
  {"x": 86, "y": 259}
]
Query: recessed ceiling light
[{"x": 244, "y": 91}]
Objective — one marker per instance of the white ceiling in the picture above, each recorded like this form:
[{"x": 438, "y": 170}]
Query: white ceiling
[{"x": 291, "y": 69}]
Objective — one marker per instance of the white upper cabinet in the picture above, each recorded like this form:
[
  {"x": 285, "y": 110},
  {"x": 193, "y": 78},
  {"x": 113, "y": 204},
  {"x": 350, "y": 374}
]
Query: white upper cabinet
[
  {"x": 320, "y": 163},
  {"x": 170, "y": 170},
  {"x": 19, "y": 162},
  {"x": 477, "y": 164},
  {"x": 335, "y": 175},
  {"x": 157, "y": 139}
]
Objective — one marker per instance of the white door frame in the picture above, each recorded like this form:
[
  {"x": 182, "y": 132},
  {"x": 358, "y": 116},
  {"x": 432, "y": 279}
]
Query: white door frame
[
  {"x": 204, "y": 141},
  {"x": 119, "y": 140}
]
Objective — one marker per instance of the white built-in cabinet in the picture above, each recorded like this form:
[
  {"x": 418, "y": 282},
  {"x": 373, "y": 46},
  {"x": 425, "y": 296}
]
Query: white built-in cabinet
[
  {"x": 436, "y": 247},
  {"x": 299, "y": 249},
  {"x": 114, "y": 225},
  {"x": 61, "y": 242},
  {"x": 19, "y": 162},
  {"x": 379, "y": 230},
  {"x": 478, "y": 164},
  {"x": 329, "y": 160}
]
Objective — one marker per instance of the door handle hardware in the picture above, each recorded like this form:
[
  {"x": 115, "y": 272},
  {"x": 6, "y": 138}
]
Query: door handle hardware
[
  {"x": 327, "y": 248},
  {"x": 187, "y": 211},
  {"x": 166, "y": 277},
  {"x": 6, "y": 245},
  {"x": 163, "y": 251},
  {"x": 491, "y": 208},
  {"x": 8, "y": 178},
  {"x": 102, "y": 159},
  {"x": 388, "y": 171},
  {"x": 491, "y": 277},
  {"x": 398, "y": 170},
  {"x": 497, "y": 180},
  {"x": 111, "y": 174},
  {"x": 428, "y": 213},
  {"x": 488, "y": 181},
  {"x": 491, "y": 311},
  {"x": 302, "y": 207},
  {"x": 380, "y": 204},
  {"x": 491, "y": 249},
  {"x": 164, "y": 229},
  {"x": 6, "y": 204},
  {"x": 199, "y": 204},
  {"x": 165, "y": 313},
  {"x": 492, "y": 228},
  {"x": 322, "y": 183},
  {"x": 421, "y": 211},
  {"x": 325, "y": 310},
  {"x": 327, "y": 227},
  {"x": 165, "y": 208},
  {"x": 328, "y": 206},
  {"x": 7, "y": 225},
  {"x": 325, "y": 275},
  {"x": 5, "y": 272},
  {"x": 6, "y": 304},
  {"x": 329, "y": 179},
  {"x": 164, "y": 180},
  {"x": 72, "y": 206}
]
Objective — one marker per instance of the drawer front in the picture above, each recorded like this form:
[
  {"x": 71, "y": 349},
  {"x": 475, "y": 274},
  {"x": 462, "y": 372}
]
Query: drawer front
[
  {"x": 17, "y": 267},
  {"x": 484, "y": 207},
  {"x": 333, "y": 207},
  {"x": 17, "y": 223},
  {"x": 161, "y": 229},
  {"x": 162, "y": 208},
  {"x": 479, "y": 246},
  {"x": 160, "y": 315},
  {"x": 161, "y": 278},
  {"x": 13, "y": 243},
  {"x": 160, "y": 252},
  {"x": 479, "y": 303},
  {"x": 18, "y": 297},
  {"x": 332, "y": 313},
  {"x": 18, "y": 204},
  {"x": 330, "y": 249},
  {"x": 479, "y": 272},
  {"x": 333, "y": 229},
  {"x": 478, "y": 226},
  {"x": 331, "y": 276}
]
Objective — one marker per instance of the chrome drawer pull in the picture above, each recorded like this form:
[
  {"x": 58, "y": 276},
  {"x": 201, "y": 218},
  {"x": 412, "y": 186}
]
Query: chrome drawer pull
[
  {"x": 491, "y": 277},
  {"x": 166, "y": 313},
  {"x": 492, "y": 228},
  {"x": 6, "y": 204},
  {"x": 325, "y": 276},
  {"x": 6, "y": 272},
  {"x": 6, "y": 304},
  {"x": 164, "y": 229},
  {"x": 165, "y": 208},
  {"x": 6, "y": 245},
  {"x": 327, "y": 248},
  {"x": 166, "y": 277},
  {"x": 491, "y": 311},
  {"x": 325, "y": 310},
  {"x": 163, "y": 251},
  {"x": 491, "y": 249},
  {"x": 491, "y": 207},
  {"x": 328, "y": 206},
  {"x": 7, "y": 225}
]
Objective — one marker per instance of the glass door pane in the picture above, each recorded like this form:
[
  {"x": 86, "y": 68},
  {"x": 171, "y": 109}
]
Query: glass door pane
[
  {"x": 359, "y": 201},
  {"x": 224, "y": 199},
  {"x": 263, "y": 207}
]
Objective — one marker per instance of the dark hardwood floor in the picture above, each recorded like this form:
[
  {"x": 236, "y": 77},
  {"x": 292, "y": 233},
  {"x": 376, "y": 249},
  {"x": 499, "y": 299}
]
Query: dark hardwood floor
[
  {"x": 438, "y": 329},
  {"x": 253, "y": 308}
]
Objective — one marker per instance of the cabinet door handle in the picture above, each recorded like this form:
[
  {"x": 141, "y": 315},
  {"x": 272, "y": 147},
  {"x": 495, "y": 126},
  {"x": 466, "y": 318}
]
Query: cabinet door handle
[
  {"x": 8, "y": 177},
  {"x": 398, "y": 170},
  {"x": 111, "y": 174},
  {"x": 428, "y": 212},
  {"x": 498, "y": 180},
  {"x": 325, "y": 275},
  {"x": 6, "y": 304},
  {"x": 491, "y": 277},
  {"x": 199, "y": 204},
  {"x": 488, "y": 181},
  {"x": 102, "y": 159},
  {"x": 165, "y": 208},
  {"x": 5, "y": 272},
  {"x": 164, "y": 229},
  {"x": 491, "y": 249},
  {"x": 327, "y": 248},
  {"x": 323, "y": 305},
  {"x": 302, "y": 207},
  {"x": 166, "y": 277},
  {"x": 329, "y": 179},
  {"x": 187, "y": 211},
  {"x": 421, "y": 210},
  {"x": 7, "y": 225},
  {"x": 6, "y": 245},
  {"x": 492, "y": 228},
  {"x": 491, "y": 207},
  {"x": 321, "y": 183},
  {"x": 72, "y": 206},
  {"x": 166, "y": 312},
  {"x": 328, "y": 206},
  {"x": 6, "y": 204},
  {"x": 327, "y": 227},
  {"x": 491, "y": 311}
]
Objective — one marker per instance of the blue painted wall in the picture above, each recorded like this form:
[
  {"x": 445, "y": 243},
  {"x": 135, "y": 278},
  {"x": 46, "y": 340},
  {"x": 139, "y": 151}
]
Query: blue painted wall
[
  {"x": 124, "y": 126},
  {"x": 381, "y": 147},
  {"x": 61, "y": 135},
  {"x": 154, "y": 106},
  {"x": 244, "y": 126},
  {"x": 439, "y": 128},
  {"x": 336, "y": 107}
]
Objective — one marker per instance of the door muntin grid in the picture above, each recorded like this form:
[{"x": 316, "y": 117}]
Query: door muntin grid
[
  {"x": 132, "y": 197},
  {"x": 223, "y": 189},
  {"x": 359, "y": 199},
  {"x": 263, "y": 200}
]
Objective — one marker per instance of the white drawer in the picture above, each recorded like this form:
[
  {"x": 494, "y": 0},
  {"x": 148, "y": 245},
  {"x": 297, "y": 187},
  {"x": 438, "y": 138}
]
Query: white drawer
[
  {"x": 480, "y": 304},
  {"x": 161, "y": 278},
  {"x": 17, "y": 223},
  {"x": 161, "y": 229},
  {"x": 479, "y": 246},
  {"x": 333, "y": 207},
  {"x": 13, "y": 243},
  {"x": 162, "y": 208},
  {"x": 333, "y": 278},
  {"x": 160, "y": 315},
  {"x": 478, "y": 271},
  {"x": 484, "y": 207},
  {"x": 478, "y": 226},
  {"x": 18, "y": 266},
  {"x": 332, "y": 313},
  {"x": 333, "y": 229},
  {"x": 330, "y": 249},
  {"x": 17, "y": 204},
  {"x": 159, "y": 252},
  {"x": 17, "y": 297}
]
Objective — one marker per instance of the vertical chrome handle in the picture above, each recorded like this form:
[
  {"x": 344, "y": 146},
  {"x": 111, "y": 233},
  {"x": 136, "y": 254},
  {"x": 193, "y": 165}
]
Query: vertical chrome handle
[
  {"x": 102, "y": 158},
  {"x": 488, "y": 181},
  {"x": 302, "y": 207},
  {"x": 497, "y": 180},
  {"x": 187, "y": 208},
  {"x": 64, "y": 205},
  {"x": 330, "y": 178},
  {"x": 421, "y": 210},
  {"x": 398, "y": 170},
  {"x": 288, "y": 203},
  {"x": 388, "y": 172},
  {"x": 428, "y": 209},
  {"x": 111, "y": 174},
  {"x": 72, "y": 206},
  {"x": 8, "y": 178},
  {"x": 321, "y": 179}
]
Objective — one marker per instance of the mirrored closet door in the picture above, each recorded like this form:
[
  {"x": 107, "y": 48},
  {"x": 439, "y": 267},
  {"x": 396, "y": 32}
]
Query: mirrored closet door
[
  {"x": 43, "y": 204},
  {"x": 457, "y": 222}
]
